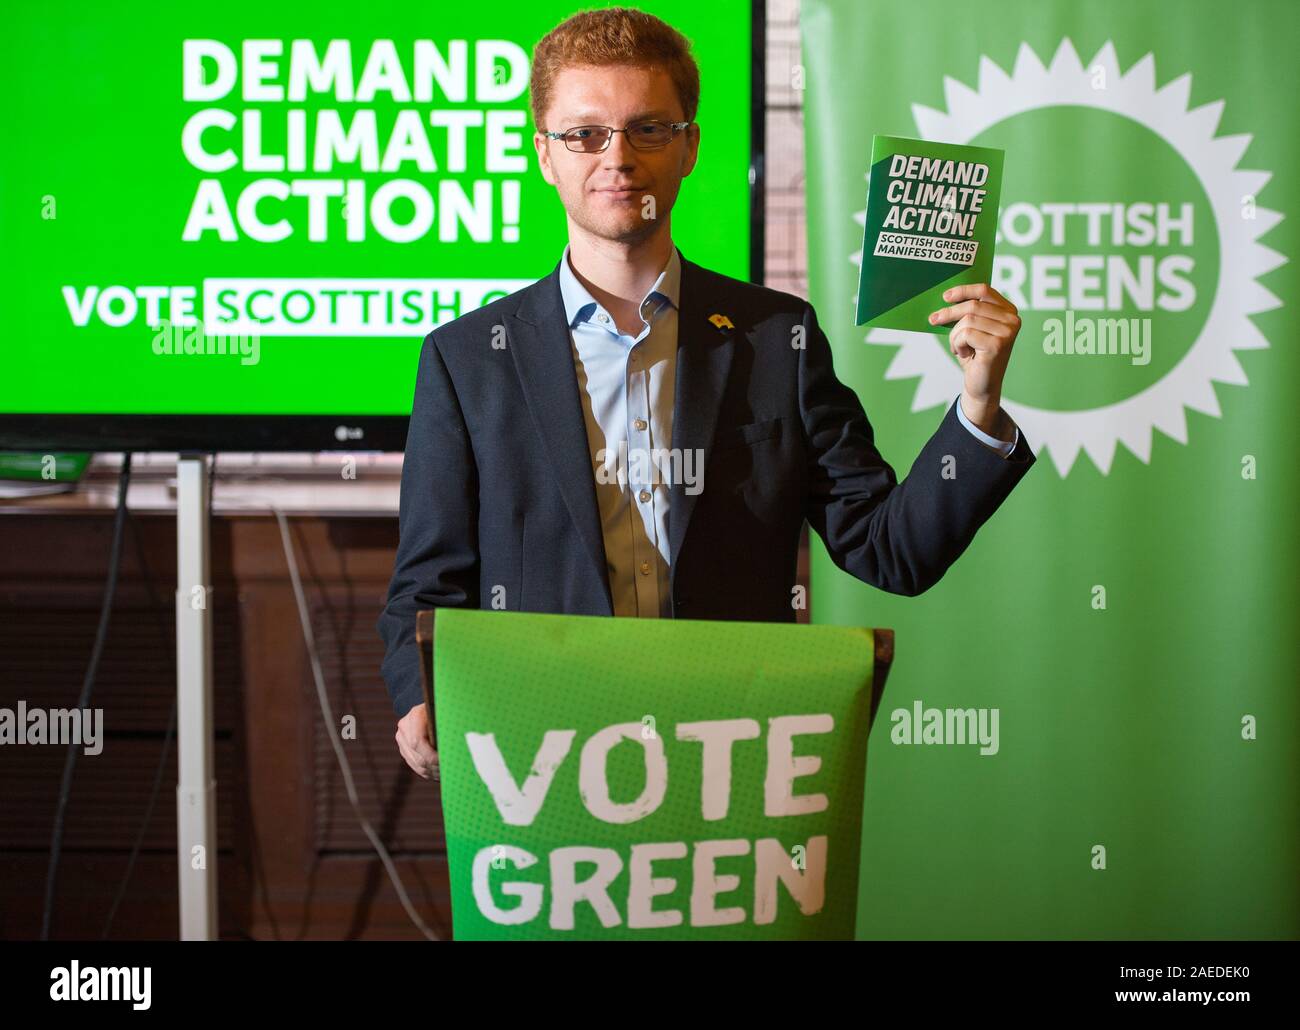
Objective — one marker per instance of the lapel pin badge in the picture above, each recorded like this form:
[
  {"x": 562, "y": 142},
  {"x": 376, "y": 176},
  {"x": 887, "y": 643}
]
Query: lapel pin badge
[{"x": 721, "y": 321}]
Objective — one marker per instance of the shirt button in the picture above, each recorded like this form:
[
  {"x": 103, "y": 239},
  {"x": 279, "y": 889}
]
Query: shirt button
[
  {"x": 645, "y": 568},
  {"x": 602, "y": 317},
  {"x": 644, "y": 495},
  {"x": 639, "y": 423}
]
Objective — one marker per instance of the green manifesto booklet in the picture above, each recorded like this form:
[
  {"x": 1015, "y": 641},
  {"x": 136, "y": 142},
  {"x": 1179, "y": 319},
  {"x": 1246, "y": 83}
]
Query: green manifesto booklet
[{"x": 932, "y": 212}]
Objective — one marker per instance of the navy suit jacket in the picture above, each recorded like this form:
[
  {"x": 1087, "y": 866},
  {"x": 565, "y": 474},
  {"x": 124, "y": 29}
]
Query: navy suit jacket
[{"x": 498, "y": 486}]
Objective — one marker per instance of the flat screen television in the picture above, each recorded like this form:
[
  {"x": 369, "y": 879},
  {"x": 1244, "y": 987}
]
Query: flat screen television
[{"x": 325, "y": 183}]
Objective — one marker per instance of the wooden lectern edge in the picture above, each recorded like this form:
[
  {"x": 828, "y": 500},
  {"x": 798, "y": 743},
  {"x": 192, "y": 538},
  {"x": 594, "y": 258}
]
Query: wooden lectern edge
[
  {"x": 424, "y": 641},
  {"x": 884, "y": 658},
  {"x": 884, "y": 641}
]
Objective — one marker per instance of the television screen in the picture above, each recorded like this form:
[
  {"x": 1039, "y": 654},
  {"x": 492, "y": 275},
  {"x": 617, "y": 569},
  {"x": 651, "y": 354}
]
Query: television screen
[{"x": 231, "y": 227}]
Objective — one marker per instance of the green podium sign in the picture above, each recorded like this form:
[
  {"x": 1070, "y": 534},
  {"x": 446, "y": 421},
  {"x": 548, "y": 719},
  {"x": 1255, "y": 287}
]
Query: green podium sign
[{"x": 625, "y": 779}]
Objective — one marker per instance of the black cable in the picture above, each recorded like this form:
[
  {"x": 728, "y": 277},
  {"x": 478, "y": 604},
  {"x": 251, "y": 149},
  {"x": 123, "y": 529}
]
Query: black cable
[
  {"x": 101, "y": 635},
  {"x": 164, "y": 637},
  {"x": 144, "y": 824}
]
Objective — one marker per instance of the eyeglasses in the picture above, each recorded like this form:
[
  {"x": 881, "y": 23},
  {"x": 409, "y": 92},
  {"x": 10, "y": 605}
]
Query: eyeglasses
[{"x": 646, "y": 134}]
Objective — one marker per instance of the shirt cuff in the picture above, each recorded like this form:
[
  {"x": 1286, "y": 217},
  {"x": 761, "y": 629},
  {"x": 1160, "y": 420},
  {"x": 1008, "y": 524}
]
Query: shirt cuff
[{"x": 1003, "y": 447}]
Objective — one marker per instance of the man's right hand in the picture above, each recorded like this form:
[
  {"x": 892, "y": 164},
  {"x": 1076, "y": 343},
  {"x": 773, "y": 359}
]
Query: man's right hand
[{"x": 413, "y": 742}]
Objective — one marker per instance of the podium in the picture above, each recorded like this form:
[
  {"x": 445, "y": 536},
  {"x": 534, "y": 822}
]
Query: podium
[{"x": 623, "y": 779}]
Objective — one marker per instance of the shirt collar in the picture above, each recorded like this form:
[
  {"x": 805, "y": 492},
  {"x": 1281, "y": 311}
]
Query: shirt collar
[{"x": 581, "y": 306}]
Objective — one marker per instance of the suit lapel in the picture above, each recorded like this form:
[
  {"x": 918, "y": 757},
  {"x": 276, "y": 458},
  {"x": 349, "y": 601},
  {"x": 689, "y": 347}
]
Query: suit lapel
[
  {"x": 538, "y": 340},
  {"x": 539, "y": 343},
  {"x": 704, "y": 353}
]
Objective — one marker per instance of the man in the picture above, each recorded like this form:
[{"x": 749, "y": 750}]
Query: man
[{"x": 522, "y": 488}]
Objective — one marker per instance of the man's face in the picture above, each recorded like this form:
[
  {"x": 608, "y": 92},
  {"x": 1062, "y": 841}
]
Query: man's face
[{"x": 621, "y": 194}]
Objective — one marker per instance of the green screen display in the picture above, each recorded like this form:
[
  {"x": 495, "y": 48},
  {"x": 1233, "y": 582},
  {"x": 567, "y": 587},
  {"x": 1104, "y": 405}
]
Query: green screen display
[{"x": 319, "y": 192}]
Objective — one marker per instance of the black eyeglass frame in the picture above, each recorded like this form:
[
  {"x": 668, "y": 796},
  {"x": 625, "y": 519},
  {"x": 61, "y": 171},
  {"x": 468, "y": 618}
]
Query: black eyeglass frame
[{"x": 674, "y": 129}]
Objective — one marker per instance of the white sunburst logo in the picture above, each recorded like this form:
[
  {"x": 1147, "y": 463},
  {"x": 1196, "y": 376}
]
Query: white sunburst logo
[{"x": 1242, "y": 259}]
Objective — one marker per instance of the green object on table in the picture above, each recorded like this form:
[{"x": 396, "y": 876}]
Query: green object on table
[{"x": 48, "y": 468}]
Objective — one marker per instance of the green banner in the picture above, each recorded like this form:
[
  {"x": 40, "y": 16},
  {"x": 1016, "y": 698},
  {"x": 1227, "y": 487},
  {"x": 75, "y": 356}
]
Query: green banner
[
  {"x": 650, "y": 779},
  {"x": 1129, "y": 614}
]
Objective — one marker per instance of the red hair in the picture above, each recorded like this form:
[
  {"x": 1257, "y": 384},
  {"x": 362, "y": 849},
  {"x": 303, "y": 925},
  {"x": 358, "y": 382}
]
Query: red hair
[{"x": 613, "y": 35}]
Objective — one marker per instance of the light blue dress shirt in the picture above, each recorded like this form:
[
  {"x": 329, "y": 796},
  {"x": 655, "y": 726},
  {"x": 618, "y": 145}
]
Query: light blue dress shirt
[
  {"x": 626, "y": 384},
  {"x": 1003, "y": 447}
]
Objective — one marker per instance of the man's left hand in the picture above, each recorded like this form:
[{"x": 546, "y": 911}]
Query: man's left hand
[{"x": 987, "y": 324}]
